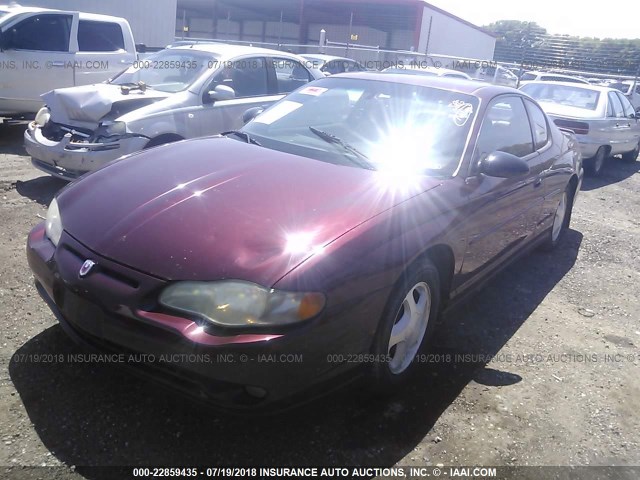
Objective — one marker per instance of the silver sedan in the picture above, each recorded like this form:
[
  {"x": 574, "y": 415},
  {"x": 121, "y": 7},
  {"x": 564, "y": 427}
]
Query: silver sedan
[{"x": 602, "y": 118}]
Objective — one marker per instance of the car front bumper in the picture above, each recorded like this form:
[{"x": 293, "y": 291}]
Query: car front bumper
[
  {"x": 111, "y": 310},
  {"x": 68, "y": 159}
]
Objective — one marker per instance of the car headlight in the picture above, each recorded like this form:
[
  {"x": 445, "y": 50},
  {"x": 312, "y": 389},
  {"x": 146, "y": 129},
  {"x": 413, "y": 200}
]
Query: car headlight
[
  {"x": 114, "y": 128},
  {"x": 53, "y": 223},
  {"x": 234, "y": 303},
  {"x": 43, "y": 116}
]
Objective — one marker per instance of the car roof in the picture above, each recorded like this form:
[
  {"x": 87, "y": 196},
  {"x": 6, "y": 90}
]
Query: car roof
[
  {"x": 586, "y": 86},
  {"x": 426, "y": 69},
  {"x": 461, "y": 85},
  {"x": 325, "y": 57},
  {"x": 227, "y": 50},
  {"x": 14, "y": 9}
]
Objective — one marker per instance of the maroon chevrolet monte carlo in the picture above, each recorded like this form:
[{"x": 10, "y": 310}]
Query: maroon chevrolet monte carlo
[{"x": 336, "y": 225}]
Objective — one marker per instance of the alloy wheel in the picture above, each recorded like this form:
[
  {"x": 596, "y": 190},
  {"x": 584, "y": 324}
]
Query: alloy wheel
[{"x": 409, "y": 328}]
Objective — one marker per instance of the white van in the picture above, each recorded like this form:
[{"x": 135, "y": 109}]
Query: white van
[{"x": 43, "y": 49}]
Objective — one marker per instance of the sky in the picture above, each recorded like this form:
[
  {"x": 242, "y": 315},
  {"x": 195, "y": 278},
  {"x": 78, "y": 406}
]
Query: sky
[{"x": 620, "y": 19}]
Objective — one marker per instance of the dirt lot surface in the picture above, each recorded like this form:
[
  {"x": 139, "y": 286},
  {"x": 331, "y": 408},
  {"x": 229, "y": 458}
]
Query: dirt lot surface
[{"x": 540, "y": 368}]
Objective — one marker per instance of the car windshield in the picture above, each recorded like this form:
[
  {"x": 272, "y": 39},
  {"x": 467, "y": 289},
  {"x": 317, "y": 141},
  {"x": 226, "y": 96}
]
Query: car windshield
[
  {"x": 563, "y": 94},
  {"x": 380, "y": 125},
  {"x": 170, "y": 70}
]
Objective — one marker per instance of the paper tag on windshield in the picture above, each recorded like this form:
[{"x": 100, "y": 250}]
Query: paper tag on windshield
[
  {"x": 277, "y": 112},
  {"x": 315, "y": 91}
]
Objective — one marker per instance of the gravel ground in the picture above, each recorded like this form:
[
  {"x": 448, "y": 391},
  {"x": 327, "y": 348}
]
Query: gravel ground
[{"x": 540, "y": 368}]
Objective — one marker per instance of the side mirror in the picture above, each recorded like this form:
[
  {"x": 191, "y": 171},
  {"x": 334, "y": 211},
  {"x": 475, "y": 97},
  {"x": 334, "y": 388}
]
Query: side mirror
[
  {"x": 250, "y": 114},
  {"x": 503, "y": 165},
  {"x": 637, "y": 111},
  {"x": 221, "y": 92}
]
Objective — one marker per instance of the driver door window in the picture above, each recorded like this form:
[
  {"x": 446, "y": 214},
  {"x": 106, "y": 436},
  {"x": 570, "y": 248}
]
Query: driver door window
[
  {"x": 615, "y": 107},
  {"x": 247, "y": 77},
  {"x": 505, "y": 128}
]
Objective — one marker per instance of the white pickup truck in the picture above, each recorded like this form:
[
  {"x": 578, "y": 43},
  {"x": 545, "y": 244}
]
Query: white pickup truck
[{"x": 43, "y": 49}]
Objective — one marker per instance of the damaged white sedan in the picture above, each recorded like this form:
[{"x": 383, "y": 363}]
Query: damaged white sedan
[{"x": 178, "y": 93}]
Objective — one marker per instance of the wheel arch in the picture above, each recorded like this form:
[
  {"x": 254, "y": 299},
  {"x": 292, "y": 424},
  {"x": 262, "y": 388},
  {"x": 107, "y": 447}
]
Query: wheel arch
[
  {"x": 573, "y": 191},
  {"x": 443, "y": 259}
]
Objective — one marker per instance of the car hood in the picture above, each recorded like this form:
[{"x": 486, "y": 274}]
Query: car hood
[
  {"x": 218, "y": 208},
  {"x": 91, "y": 104}
]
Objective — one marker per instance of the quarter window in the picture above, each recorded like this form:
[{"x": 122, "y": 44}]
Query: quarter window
[
  {"x": 505, "y": 128},
  {"x": 352, "y": 67},
  {"x": 539, "y": 124},
  {"x": 47, "y": 33},
  {"x": 332, "y": 67},
  {"x": 626, "y": 105}
]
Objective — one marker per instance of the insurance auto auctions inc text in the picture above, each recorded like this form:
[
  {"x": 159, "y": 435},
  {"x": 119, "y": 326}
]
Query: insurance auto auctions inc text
[{"x": 392, "y": 472}]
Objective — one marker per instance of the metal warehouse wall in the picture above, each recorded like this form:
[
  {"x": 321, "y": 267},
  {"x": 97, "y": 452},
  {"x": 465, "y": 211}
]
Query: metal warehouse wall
[
  {"x": 152, "y": 21},
  {"x": 448, "y": 36}
]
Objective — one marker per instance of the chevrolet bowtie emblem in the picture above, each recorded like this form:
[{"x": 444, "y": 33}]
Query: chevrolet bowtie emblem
[{"x": 86, "y": 268}]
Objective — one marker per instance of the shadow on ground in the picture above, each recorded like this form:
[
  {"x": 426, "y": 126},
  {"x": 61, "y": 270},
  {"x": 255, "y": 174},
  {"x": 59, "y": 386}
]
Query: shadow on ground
[
  {"x": 614, "y": 170},
  {"x": 11, "y": 139},
  {"x": 41, "y": 189},
  {"x": 96, "y": 414}
]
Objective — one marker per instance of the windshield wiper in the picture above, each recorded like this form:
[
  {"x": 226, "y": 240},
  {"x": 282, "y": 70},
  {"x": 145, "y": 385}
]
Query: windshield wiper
[
  {"x": 245, "y": 136},
  {"x": 360, "y": 158}
]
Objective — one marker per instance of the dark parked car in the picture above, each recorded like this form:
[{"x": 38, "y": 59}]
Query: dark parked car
[{"x": 321, "y": 240}]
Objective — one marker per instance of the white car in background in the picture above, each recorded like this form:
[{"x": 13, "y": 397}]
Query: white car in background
[
  {"x": 42, "y": 49},
  {"x": 602, "y": 119},
  {"x": 427, "y": 71},
  {"x": 178, "y": 93},
  {"x": 534, "y": 76},
  {"x": 497, "y": 75}
]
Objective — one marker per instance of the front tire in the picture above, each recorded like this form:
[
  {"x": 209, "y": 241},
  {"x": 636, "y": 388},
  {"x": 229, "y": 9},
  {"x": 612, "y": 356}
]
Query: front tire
[
  {"x": 406, "y": 327},
  {"x": 560, "y": 221}
]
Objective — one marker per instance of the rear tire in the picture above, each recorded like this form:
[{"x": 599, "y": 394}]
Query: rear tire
[
  {"x": 594, "y": 165},
  {"x": 406, "y": 326},
  {"x": 632, "y": 155}
]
